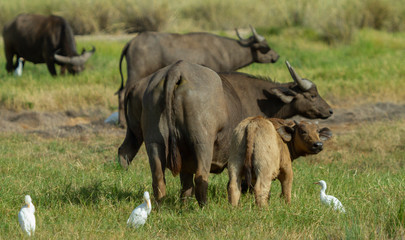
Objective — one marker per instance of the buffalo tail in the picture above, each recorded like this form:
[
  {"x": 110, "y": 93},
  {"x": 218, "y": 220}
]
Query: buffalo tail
[
  {"x": 124, "y": 52},
  {"x": 250, "y": 132},
  {"x": 172, "y": 80}
]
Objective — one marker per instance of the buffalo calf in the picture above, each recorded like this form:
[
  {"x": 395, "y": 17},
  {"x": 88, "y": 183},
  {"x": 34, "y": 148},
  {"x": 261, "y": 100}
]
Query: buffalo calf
[{"x": 262, "y": 149}]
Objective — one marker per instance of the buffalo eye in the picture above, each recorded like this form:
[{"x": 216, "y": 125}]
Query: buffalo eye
[
  {"x": 302, "y": 131},
  {"x": 264, "y": 49}
]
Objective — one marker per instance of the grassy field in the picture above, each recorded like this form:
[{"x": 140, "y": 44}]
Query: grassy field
[
  {"x": 333, "y": 21},
  {"x": 81, "y": 192},
  {"x": 368, "y": 70}
]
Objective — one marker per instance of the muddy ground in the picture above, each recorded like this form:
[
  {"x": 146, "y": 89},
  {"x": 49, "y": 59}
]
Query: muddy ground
[
  {"x": 91, "y": 121},
  {"x": 58, "y": 124}
]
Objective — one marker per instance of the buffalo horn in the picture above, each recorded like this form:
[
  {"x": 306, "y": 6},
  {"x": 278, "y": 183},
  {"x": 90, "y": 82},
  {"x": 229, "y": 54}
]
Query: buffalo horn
[
  {"x": 304, "y": 84},
  {"x": 258, "y": 37},
  {"x": 244, "y": 41},
  {"x": 76, "y": 60},
  {"x": 238, "y": 35}
]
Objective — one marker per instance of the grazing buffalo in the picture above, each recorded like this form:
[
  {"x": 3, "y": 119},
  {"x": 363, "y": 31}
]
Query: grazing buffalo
[
  {"x": 187, "y": 113},
  {"x": 267, "y": 148},
  {"x": 151, "y": 51},
  {"x": 43, "y": 39}
]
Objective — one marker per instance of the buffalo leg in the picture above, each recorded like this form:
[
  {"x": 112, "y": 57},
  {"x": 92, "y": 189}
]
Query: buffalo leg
[
  {"x": 286, "y": 179},
  {"x": 203, "y": 158},
  {"x": 129, "y": 148},
  {"x": 156, "y": 153},
  {"x": 51, "y": 67},
  {"x": 63, "y": 69},
  {"x": 187, "y": 185},
  {"x": 121, "y": 111},
  {"x": 23, "y": 62},
  {"x": 9, "y": 59},
  {"x": 201, "y": 187},
  {"x": 234, "y": 185},
  {"x": 262, "y": 189}
]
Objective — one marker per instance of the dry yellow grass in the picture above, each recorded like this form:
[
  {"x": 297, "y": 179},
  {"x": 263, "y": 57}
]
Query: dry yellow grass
[{"x": 334, "y": 21}]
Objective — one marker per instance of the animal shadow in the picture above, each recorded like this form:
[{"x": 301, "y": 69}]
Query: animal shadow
[{"x": 96, "y": 192}]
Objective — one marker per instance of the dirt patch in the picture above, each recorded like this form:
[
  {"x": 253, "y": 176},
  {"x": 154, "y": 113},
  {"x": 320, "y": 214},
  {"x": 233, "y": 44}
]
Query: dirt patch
[
  {"x": 345, "y": 118},
  {"x": 91, "y": 121},
  {"x": 58, "y": 124},
  {"x": 368, "y": 112}
]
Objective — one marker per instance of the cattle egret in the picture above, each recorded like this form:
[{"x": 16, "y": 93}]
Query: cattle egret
[
  {"x": 112, "y": 119},
  {"x": 26, "y": 217},
  {"x": 140, "y": 214},
  {"x": 18, "y": 71},
  {"x": 330, "y": 200}
]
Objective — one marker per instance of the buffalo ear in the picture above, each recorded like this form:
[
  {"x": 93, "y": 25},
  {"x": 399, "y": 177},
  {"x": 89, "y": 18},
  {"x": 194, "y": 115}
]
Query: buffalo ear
[
  {"x": 285, "y": 133},
  {"x": 278, "y": 122},
  {"x": 286, "y": 98},
  {"x": 325, "y": 134}
]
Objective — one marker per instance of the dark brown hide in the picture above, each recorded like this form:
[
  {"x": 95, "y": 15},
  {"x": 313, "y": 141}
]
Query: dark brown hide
[
  {"x": 198, "y": 110},
  {"x": 42, "y": 39},
  {"x": 150, "y": 51}
]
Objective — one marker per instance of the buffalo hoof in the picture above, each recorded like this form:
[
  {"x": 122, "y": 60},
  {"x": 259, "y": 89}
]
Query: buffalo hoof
[{"x": 123, "y": 161}]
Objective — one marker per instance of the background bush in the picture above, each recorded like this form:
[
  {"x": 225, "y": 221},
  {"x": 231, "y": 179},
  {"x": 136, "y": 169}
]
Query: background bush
[{"x": 333, "y": 21}]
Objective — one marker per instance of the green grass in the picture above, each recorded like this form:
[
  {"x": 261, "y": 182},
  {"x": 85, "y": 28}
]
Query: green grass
[
  {"x": 368, "y": 70},
  {"x": 95, "y": 86},
  {"x": 80, "y": 191}
]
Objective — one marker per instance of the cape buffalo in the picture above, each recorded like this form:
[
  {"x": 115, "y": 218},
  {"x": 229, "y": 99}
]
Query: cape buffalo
[
  {"x": 187, "y": 113},
  {"x": 151, "y": 51},
  {"x": 263, "y": 149},
  {"x": 43, "y": 39}
]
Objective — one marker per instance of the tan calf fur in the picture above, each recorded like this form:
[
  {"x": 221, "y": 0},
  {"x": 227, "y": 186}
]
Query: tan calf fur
[{"x": 263, "y": 150}]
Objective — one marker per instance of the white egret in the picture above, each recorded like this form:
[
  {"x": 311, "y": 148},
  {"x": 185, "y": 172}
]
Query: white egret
[
  {"x": 26, "y": 217},
  {"x": 112, "y": 119},
  {"x": 18, "y": 71},
  {"x": 140, "y": 214},
  {"x": 328, "y": 199}
]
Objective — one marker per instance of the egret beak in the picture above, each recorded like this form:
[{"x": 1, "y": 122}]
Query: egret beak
[
  {"x": 147, "y": 204},
  {"x": 316, "y": 182}
]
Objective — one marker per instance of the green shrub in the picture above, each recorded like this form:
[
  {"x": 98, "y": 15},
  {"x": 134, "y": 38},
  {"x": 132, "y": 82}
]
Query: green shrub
[
  {"x": 143, "y": 15},
  {"x": 81, "y": 19},
  {"x": 334, "y": 21}
]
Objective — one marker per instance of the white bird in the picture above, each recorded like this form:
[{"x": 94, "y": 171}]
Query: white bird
[
  {"x": 330, "y": 200},
  {"x": 112, "y": 119},
  {"x": 140, "y": 214},
  {"x": 26, "y": 217},
  {"x": 18, "y": 71}
]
